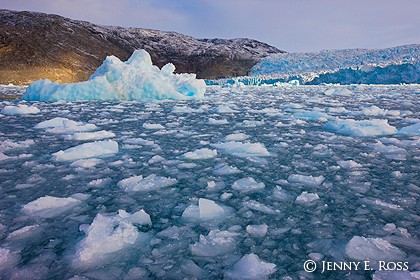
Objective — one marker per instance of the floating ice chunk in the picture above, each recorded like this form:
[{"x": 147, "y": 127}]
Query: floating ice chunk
[
  {"x": 307, "y": 180},
  {"x": 316, "y": 256},
  {"x": 86, "y": 163},
  {"x": 381, "y": 203},
  {"x": 236, "y": 137},
  {"x": 20, "y": 109},
  {"x": 352, "y": 127},
  {"x": 106, "y": 235},
  {"x": 294, "y": 83},
  {"x": 373, "y": 249},
  {"x": 292, "y": 106},
  {"x": 247, "y": 184},
  {"x": 135, "y": 79},
  {"x": 209, "y": 209},
  {"x": 153, "y": 126},
  {"x": 206, "y": 210},
  {"x": 156, "y": 159},
  {"x": 140, "y": 141},
  {"x": 240, "y": 149},
  {"x": 64, "y": 125},
  {"x": 97, "y": 135},
  {"x": 150, "y": 183},
  {"x": 223, "y": 109},
  {"x": 312, "y": 115},
  {"x": 251, "y": 267},
  {"x": 3, "y": 156},
  {"x": 7, "y": 144},
  {"x": 203, "y": 153},
  {"x": 338, "y": 91},
  {"x": 280, "y": 194},
  {"x": 87, "y": 150},
  {"x": 413, "y": 129},
  {"x": 306, "y": 198},
  {"x": 248, "y": 123},
  {"x": 390, "y": 151},
  {"x": 395, "y": 275},
  {"x": 140, "y": 217},
  {"x": 50, "y": 206},
  {"x": 218, "y": 122},
  {"x": 376, "y": 111},
  {"x": 257, "y": 230},
  {"x": 185, "y": 109},
  {"x": 258, "y": 206},
  {"x": 8, "y": 259},
  {"x": 216, "y": 243},
  {"x": 191, "y": 269},
  {"x": 22, "y": 232},
  {"x": 225, "y": 169},
  {"x": 349, "y": 164}
]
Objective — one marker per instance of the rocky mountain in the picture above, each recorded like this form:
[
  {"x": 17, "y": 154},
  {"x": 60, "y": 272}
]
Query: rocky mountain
[{"x": 36, "y": 45}]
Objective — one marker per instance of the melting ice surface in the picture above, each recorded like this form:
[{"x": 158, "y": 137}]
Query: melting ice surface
[
  {"x": 128, "y": 190},
  {"x": 135, "y": 79}
]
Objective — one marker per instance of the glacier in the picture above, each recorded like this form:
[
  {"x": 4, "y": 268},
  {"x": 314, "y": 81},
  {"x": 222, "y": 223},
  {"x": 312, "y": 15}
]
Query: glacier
[
  {"x": 135, "y": 79},
  {"x": 295, "y": 174},
  {"x": 349, "y": 66}
]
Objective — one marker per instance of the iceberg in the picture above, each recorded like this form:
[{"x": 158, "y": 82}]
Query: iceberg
[{"x": 135, "y": 79}]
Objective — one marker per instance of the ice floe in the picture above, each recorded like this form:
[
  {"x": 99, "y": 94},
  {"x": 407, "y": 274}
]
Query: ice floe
[
  {"x": 251, "y": 267},
  {"x": 20, "y": 109},
  {"x": 87, "y": 150}
]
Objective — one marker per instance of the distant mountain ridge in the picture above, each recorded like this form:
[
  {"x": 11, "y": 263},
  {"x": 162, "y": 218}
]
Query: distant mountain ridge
[{"x": 37, "y": 45}]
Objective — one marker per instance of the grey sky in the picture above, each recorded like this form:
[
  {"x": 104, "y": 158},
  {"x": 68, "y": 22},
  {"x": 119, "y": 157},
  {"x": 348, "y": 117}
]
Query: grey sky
[{"x": 291, "y": 25}]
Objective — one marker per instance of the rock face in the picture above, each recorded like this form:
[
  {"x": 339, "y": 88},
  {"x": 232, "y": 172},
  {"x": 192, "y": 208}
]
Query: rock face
[{"x": 35, "y": 46}]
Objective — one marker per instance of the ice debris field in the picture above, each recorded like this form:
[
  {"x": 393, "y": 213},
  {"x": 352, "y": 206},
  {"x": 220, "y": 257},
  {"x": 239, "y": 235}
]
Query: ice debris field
[{"x": 247, "y": 183}]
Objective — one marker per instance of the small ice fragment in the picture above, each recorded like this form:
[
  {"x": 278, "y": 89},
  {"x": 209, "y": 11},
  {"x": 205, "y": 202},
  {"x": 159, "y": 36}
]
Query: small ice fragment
[
  {"x": 96, "y": 135},
  {"x": 153, "y": 126},
  {"x": 413, "y": 129},
  {"x": 20, "y": 109},
  {"x": 306, "y": 198},
  {"x": 316, "y": 256},
  {"x": 373, "y": 249},
  {"x": 214, "y": 244},
  {"x": 203, "y": 153},
  {"x": 50, "y": 206},
  {"x": 151, "y": 182},
  {"x": 349, "y": 164},
  {"x": 209, "y": 209},
  {"x": 310, "y": 180},
  {"x": 338, "y": 91},
  {"x": 257, "y": 230},
  {"x": 225, "y": 169},
  {"x": 247, "y": 184},
  {"x": 236, "y": 137},
  {"x": 140, "y": 217},
  {"x": 251, "y": 267}
]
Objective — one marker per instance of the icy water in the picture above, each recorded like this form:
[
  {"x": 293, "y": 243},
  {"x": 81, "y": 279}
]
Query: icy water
[{"x": 314, "y": 186}]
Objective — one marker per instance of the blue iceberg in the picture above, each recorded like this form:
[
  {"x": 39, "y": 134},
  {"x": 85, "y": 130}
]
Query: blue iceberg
[{"x": 135, "y": 79}]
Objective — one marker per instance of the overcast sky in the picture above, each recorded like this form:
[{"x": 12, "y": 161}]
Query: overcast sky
[{"x": 291, "y": 25}]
